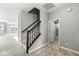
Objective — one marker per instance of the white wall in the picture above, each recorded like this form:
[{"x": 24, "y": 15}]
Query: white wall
[
  {"x": 26, "y": 20},
  {"x": 69, "y": 26}
]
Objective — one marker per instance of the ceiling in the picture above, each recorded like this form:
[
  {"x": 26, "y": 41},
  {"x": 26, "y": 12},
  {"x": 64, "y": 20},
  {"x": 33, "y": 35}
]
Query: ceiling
[
  {"x": 49, "y": 6},
  {"x": 15, "y": 6}
]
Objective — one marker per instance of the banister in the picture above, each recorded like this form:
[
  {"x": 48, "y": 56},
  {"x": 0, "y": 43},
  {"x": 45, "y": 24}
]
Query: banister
[
  {"x": 34, "y": 26},
  {"x": 32, "y": 35},
  {"x": 29, "y": 26}
]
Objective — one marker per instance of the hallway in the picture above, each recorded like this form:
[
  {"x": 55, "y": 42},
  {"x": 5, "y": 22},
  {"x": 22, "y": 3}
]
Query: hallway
[
  {"x": 26, "y": 27},
  {"x": 53, "y": 49}
]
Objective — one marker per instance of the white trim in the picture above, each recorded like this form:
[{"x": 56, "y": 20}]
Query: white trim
[
  {"x": 38, "y": 47},
  {"x": 69, "y": 50}
]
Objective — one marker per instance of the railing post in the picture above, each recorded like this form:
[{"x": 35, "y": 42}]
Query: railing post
[{"x": 27, "y": 41}]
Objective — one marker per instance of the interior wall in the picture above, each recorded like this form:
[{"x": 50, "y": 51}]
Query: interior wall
[
  {"x": 26, "y": 20},
  {"x": 69, "y": 25}
]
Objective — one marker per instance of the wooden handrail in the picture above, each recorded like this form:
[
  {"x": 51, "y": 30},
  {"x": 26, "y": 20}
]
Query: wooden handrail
[
  {"x": 34, "y": 26},
  {"x": 29, "y": 26}
]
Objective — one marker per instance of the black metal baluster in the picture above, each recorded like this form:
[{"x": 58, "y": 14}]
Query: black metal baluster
[
  {"x": 30, "y": 39},
  {"x": 35, "y": 32},
  {"x": 38, "y": 29},
  {"x": 32, "y": 35},
  {"x": 27, "y": 41}
]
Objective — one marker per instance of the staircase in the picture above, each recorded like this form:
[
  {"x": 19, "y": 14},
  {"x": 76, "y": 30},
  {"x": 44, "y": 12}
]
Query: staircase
[{"x": 32, "y": 32}]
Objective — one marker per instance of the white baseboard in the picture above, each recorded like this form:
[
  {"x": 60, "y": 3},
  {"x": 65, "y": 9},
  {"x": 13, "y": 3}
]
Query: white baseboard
[
  {"x": 69, "y": 50},
  {"x": 38, "y": 47}
]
